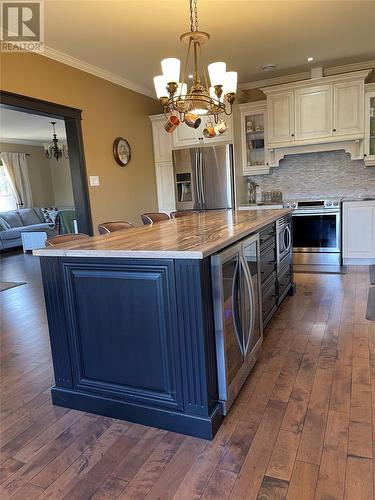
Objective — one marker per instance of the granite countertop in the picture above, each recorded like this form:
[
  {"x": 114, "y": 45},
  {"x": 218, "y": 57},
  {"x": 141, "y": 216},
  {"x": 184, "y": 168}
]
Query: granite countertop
[
  {"x": 192, "y": 237},
  {"x": 359, "y": 198}
]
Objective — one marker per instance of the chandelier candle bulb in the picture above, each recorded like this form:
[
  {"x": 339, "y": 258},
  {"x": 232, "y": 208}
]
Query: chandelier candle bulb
[
  {"x": 171, "y": 69},
  {"x": 160, "y": 84},
  {"x": 217, "y": 72},
  {"x": 230, "y": 82}
]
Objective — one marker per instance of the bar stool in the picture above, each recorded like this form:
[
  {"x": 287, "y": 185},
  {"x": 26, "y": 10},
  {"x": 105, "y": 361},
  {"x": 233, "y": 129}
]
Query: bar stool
[
  {"x": 111, "y": 227},
  {"x": 152, "y": 217},
  {"x": 185, "y": 213},
  {"x": 65, "y": 238}
]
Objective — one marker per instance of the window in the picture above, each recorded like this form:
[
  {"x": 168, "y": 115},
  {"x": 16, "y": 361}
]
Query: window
[{"x": 7, "y": 200}]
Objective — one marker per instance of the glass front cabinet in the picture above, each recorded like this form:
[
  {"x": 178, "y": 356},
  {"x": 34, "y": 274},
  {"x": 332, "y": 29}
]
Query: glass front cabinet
[
  {"x": 369, "y": 145},
  {"x": 255, "y": 155}
]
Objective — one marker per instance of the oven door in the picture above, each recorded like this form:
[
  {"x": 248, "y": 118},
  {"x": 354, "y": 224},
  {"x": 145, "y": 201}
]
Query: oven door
[{"x": 317, "y": 231}]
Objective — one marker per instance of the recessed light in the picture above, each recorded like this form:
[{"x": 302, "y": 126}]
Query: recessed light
[
  {"x": 190, "y": 76},
  {"x": 269, "y": 67},
  {"x": 310, "y": 59}
]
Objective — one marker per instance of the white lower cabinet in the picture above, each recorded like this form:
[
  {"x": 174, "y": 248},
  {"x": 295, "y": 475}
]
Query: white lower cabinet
[
  {"x": 165, "y": 187},
  {"x": 359, "y": 232}
]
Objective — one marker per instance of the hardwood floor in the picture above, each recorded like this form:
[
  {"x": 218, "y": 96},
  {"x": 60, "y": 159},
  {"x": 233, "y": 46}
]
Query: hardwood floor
[{"x": 303, "y": 426}]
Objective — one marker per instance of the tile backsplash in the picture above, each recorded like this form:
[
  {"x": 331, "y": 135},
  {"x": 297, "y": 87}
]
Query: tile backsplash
[{"x": 319, "y": 175}]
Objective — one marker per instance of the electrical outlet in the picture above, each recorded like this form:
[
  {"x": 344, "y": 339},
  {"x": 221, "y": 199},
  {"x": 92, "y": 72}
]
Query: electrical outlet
[{"x": 94, "y": 180}]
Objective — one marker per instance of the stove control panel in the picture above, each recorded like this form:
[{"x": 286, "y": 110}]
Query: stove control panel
[
  {"x": 331, "y": 203},
  {"x": 291, "y": 204}
]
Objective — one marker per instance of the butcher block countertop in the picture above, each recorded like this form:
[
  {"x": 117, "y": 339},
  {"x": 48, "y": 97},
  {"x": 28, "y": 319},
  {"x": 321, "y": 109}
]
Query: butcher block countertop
[{"x": 194, "y": 237}]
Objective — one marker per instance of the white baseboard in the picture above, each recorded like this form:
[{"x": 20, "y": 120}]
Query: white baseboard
[{"x": 358, "y": 262}]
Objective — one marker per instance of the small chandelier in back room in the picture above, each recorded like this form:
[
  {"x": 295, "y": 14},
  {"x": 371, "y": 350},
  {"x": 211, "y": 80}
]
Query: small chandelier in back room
[
  {"x": 56, "y": 151},
  {"x": 200, "y": 99}
]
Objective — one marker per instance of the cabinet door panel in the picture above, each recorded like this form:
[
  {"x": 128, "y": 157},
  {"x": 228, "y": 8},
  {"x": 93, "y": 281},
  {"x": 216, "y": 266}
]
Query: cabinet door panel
[
  {"x": 313, "y": 112},
  {"x": 162, "y": 142},
  {"x": 280, "y": 117},
  {"x": 359, "y": 230},
  {"x": 184, "y": 136},
  {"x": 165, "y": 187},
  {"x": 348, "y": 108},
  {"x": 122, "y": 331}
]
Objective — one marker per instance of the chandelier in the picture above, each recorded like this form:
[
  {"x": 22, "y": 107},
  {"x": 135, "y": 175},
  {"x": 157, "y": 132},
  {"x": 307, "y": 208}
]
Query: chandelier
[
  {"x": 56, "y": 151},
  {"x": 200, "y": 99}
]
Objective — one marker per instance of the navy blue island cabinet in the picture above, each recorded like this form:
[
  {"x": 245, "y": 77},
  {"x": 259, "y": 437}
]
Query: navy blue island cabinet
[
  {"x": 132, "y": 316},
  {"x": 134, "y": 339}
]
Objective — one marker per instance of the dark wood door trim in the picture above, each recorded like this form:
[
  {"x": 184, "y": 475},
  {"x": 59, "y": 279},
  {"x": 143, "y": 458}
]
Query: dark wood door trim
[{"x": 72, "y": 118}]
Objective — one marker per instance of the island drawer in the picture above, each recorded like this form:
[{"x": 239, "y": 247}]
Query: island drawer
[
  {"x": 269, "y": 299},
  {"x": 284, "y": 279},
  {"x": 267, "y": 262},
  {"x": 266, "y": 235}
]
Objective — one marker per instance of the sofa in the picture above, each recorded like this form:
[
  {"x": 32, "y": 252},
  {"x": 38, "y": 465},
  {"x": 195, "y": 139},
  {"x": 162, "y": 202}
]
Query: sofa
[{"x": 25, "y": 219}]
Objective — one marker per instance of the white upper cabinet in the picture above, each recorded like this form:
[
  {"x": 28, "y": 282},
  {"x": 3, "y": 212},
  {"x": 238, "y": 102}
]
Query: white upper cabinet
[
  {"x": 186, "y": 137},
  {"x": 348, "y": 99},
  {"x": 313, "y": 112},
  {"x": 280, "y": 117},
  {"x": 369, "y": 155},
  {"x": 317, "y": 111},
  {"x": 255, "y": 155},
  {"x": 162, "y": 140}
]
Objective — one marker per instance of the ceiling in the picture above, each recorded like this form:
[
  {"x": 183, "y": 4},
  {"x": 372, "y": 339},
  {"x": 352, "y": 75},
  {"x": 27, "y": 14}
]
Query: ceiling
[
  {"x": 16, "y": 126},
  {"x": 129, "y": 38}
]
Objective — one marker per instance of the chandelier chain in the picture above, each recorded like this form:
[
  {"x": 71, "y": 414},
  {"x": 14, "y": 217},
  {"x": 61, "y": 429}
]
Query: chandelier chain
[{"x": 193, "y": 15}]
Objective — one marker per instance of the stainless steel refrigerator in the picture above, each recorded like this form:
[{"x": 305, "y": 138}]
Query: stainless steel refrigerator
[{"x": 204, "y": 178}]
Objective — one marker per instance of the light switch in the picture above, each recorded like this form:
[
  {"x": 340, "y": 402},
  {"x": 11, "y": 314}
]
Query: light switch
[{"x": 94, "y": 180}]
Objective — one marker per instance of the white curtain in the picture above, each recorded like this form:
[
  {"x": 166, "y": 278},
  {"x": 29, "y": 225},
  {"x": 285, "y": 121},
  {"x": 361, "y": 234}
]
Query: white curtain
[{"x": 16, "y": 168}]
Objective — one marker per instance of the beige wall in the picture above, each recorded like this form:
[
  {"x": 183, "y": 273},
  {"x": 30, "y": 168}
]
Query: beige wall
[
  {"x": 39, "y": 172},
  {"x": 108, "y": 111},
  {"x": 61, "y": 182}
]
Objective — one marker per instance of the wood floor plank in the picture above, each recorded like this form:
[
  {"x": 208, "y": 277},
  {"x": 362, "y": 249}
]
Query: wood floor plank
[
  {"x": 169, "y": 481},
  {"x": 85, "y": 462},
  {"x": 331, "y": 479},
  {"x": 91, "y": 430},
  {"x": 254, "y": 467},
  {"x": 359, "y": 479},
  {"x": 133, "y": 461},
  {"x": 101, "y": 471},
  {"x": 153, "y": 467},
  {"x": 284, "y": 455},
  {"x": 111, "y": 488},
  {"x": 303, "y": 481},
  {"x": 273, "y": 489},
  {"x": 220, "y": 485}
]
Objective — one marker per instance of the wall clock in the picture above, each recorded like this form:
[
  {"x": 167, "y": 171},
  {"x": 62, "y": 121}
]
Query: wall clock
[{"x": 121, "y": 151}]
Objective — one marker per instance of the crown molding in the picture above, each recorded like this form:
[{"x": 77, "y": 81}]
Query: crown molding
[
  {"x": 278, "y": 80},
  {"x": 59, "y": 56},
  {"x": 306, "y": 75},
  {"x": 28, "y": 142}
]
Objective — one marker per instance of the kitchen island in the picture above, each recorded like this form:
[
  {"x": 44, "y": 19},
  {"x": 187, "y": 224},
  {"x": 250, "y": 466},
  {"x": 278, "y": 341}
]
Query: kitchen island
[{"x": 131, "y": 319}]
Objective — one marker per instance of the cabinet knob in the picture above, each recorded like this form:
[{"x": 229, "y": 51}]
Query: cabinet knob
[
  {"x": 334, "y": 130},
  {"x": 292, "y": 135},
  {"x": 365, "y": 155}
]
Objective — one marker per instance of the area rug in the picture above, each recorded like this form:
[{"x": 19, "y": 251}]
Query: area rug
[
  {"x": 372, "y": 274},
  {"x": 5, "y": 285},
  {"x": 370, "y": 312}
]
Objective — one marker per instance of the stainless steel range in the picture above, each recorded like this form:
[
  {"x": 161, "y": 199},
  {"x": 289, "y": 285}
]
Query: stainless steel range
[{"x": 316, "y": 233}]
